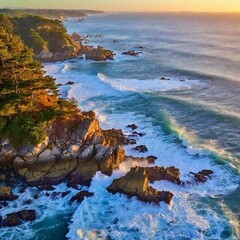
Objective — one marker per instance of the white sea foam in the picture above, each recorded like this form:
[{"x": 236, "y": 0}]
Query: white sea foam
[
  {"x": 122, "y": 218},
  {"x": 150, "y": 85},
  {"x": 45, "y": 207}
]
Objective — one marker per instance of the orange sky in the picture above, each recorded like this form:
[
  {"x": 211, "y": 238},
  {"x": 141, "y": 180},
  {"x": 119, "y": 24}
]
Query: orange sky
[{"x": 130, "y": 5}]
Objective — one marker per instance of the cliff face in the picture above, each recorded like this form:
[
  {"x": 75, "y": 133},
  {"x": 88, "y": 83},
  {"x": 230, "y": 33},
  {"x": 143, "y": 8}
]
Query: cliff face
[{"x": 75, "y": 148}]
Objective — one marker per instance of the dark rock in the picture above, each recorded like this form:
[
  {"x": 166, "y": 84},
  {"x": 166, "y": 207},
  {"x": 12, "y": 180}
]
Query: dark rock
[
  {"x": 132, "y": 126},
  {"x": 14, "y": 219},
  {"x": 3, "y": 204},
  {"x": 141, "y": 148},
  {"x": 36, "y": 196},
  {"x": 206, "y": 172},
  {"x": 79, "y": 197},
  {"x": 164, "y": 78},
  {"x": 170, "y": 174},
  {"x": 64, "y": 194},
  {"x": 28, "y": 202},
  {"x": 131, "y": 53},
  {"x": 151, "y": 159},
  {"x": 133, "y": 141},
  {"x": 46, "y": 187},
  {"x": 135, "y": 183},
  {"x": 70, "y": 83},
  {"x": 73, "y": 185},
  {"x": 202, "y": 176},
  {"x": 139, "y": 134},
  {"x": 115, "y": 41}
]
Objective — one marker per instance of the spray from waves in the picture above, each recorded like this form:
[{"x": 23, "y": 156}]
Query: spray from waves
[{"x": 150, "y": 85}]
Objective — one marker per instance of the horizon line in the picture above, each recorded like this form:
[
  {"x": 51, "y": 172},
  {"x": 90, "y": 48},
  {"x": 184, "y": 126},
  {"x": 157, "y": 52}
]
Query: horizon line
[{"x": 122, "y": 11}]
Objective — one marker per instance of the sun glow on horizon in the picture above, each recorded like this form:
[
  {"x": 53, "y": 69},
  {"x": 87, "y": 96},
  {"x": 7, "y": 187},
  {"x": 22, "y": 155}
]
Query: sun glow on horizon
[{"x": 133, "y": 5}]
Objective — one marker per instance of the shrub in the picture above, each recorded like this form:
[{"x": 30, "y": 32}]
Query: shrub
[{"x": 23, "y": 129}]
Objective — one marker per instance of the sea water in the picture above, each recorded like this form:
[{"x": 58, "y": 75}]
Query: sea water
[{"x": 191, "y": 121}]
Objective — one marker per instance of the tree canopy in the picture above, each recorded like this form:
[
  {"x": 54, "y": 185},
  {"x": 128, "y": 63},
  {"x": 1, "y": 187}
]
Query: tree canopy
[{"x": 29, "y": 99}]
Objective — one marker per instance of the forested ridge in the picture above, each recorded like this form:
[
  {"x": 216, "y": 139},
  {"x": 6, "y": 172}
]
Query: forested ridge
[{"x": 29, "y": 99}]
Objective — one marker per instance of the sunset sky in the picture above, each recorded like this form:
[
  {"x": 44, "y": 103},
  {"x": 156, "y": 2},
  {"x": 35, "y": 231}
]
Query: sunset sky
[{"x": 130, "y": 5}]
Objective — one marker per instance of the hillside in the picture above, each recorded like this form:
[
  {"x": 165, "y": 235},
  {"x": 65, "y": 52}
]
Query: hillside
[
  {"x": 29, "y": 99},
  {"x": 48, "y": 13}
]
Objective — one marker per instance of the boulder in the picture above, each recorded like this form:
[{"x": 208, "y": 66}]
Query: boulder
[
  {"x": 14, "y": 219},
  {"x": 132, "y": 126},
  {"x": 99, "y": 54},
  {"x": 135, "y": 183},
  {"x": 6, "y": 194},
  {"x": 79, "y": 197},
  {"x": 141, "y": 148}
]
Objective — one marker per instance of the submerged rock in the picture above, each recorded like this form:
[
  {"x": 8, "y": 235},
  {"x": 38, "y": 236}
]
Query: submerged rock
[
  {"x": 79, "y": 197},
  {"x": 131, "y": 53},
  {"x": 14, "y": 219},
  {"x": 135, "y": 183},
  {"x": 70, "y": 83},
  {"x": 202, "y": 176}
]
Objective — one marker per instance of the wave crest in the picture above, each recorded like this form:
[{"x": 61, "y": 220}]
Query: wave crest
[{"x": 149, "y": 85}]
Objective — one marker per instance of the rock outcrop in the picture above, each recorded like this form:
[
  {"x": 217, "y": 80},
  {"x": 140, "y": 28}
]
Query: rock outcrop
[
  {"x": 99, "y": 54},
  {"x": 156, "y": 173},
  {"x": 67, "y": 52},
  {"x": 75, "y": 149},
  {"x": 136, "y": 183},
  {"x": 15, "y": 219}
]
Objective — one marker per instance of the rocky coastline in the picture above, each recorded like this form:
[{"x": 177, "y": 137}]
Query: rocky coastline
[{"x": 75, "y": 149}]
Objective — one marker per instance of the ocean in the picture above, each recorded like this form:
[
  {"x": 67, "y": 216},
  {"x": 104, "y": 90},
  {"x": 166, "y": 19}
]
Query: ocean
[{"x": 191, "y": 121}]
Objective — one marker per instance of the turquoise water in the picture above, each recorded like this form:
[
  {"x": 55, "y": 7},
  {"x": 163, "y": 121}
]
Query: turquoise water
[{"x": 193, "y": 124}]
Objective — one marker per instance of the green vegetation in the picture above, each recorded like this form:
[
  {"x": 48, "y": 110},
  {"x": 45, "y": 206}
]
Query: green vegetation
[
  {"x": 40, "y": 33},
  {"x": 29, "y": 99}
]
